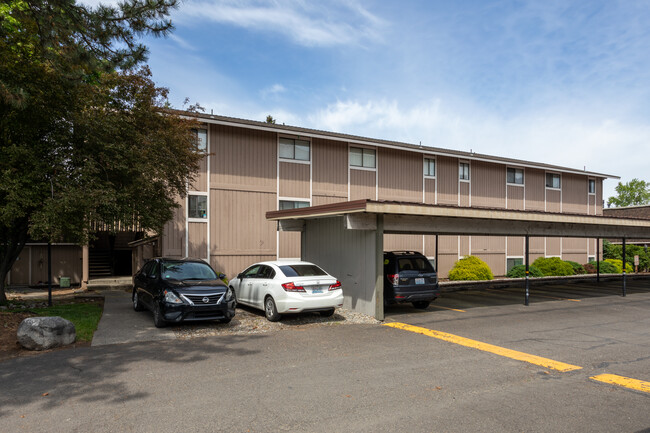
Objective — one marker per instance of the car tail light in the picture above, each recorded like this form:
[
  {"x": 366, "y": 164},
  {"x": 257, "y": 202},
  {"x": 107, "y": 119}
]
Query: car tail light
[
  {"x": 394, "y": 279},
  {"x": 290, "y": 287},
  {"x": 336, "y": 285}
]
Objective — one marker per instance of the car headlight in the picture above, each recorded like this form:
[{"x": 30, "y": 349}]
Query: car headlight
[
  {"x": 171, "y": 298},
  {"x": 229, "y": 294}
]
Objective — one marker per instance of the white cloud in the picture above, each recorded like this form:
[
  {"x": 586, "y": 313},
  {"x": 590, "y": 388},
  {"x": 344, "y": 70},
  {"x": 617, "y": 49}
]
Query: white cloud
[
  {"x": 305, "y": 23},
  {"x": 275, "y": 89}
]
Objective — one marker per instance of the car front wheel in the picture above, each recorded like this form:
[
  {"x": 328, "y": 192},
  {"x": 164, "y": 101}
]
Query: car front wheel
[
  {"x": 137, "y": 306},
  {"x": 158, "y": 320},
  {"x": 270, "y": 311},
  {"x": 327, "y": 313}
]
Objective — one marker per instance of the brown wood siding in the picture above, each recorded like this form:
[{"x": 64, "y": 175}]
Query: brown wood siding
[
  {"x": 447, "y": 262},
  {"x": 20, "y": 269},
  {"x": 198, "y": 240},
  {"x": 318, "y": 200},
  {"x": 289, "y": 245},
  {"x": 429, "y": 246},
  {"x": 516, "y": 246},
  {"x": 574, "y": 193},
  {"x": 201, "y": 181},
  {"x": 599, "y": 196},
  {"x": 362, "y": 184},
  {"x": 580, "y": 258},
  {"x": 239, "y": 225},
  {"x": 448, "y": 244},
  {"x": 536, "y": 246},
  {"x": 574, "y": 245},
  {"x": 464, "y": 246},
  {"x": 399, "y": 175},
  {"x": 329, "y": 168},
  {"x": 553, "y": 200},
  {"x": 496, "y": 262},
  {"x": 515, "y": 197},
  {"x": 294, "y": 180},
  {"x": 464, "y": 199},
  {"x": 553, "y": 247},
  {"x": 447, "y": 177},
  {"x": 535, "y": 186},
  {"x": 403, "y": 243},
  {"x": 173, "y": 239},
  {"x": 488, "y": 244},
  {"x": 592, "y": 204},
  {"x": 430, "y": 191},
  {"x": 231, "y": 265},
  {"x": 243, "y": 159},
  {"x": 488, "y": 184},
  {"x": 66, "y": 262}
]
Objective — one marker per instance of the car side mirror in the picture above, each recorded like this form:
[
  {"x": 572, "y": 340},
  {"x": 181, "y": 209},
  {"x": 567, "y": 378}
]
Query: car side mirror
[
  {"x": 221, "y": 276},
  {"x": 240, "y": 276}
]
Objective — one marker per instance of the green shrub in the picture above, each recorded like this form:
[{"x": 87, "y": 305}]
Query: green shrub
[
  {"x": 470, "y": 268},
  {"x": 578, "y": 269},
  {"x": 519, "y": 271},
  {"x": 553, "y": 266},
  {"x": 590, "y": 268},
  {"x": 611, "y": 251},
  {"x": 605, "y": 268},
  {"x": 618, "y": 264}
]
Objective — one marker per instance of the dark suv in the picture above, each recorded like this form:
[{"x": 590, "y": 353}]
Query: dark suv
[{"x": 409, "y": 277}]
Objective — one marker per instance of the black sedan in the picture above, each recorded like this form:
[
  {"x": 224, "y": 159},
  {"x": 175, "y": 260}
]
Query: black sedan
[{"x": 177, "y": 290}]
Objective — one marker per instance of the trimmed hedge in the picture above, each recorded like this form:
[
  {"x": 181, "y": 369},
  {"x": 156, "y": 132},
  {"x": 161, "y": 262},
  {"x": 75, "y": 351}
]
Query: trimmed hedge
[
  {"x": 578, "y": 269},
  {"x": 618, "y": 264},
  {"x": 519, "y": 271},
  {"x": 605, "y": 268},
  {"x": 553, "y": 266},
  {"x": 470, "y": 269}
]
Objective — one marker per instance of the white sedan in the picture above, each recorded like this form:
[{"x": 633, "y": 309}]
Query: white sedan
[{"x": 281, "y": 287}]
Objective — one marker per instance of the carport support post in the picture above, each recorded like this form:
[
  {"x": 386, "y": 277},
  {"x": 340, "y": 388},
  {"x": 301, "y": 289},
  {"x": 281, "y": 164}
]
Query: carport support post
[
  {"x": 624, "y": 276},
  {"x": 598, "y": 260},
  {"x": 379, "y": 271},
  {"x": 526, "y": 301}
]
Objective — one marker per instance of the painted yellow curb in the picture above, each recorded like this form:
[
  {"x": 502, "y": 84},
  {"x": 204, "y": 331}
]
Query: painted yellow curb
[
  {"x": 627, "y": 382},
  {"x": 513, "y": 354}
]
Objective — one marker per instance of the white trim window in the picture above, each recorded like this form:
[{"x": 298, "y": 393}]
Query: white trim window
[
  {"x": 511, "y": 262},
  {"x": 363, "y": 158},
  {"x": 292, "y": 149},
  {"x": 202, "y": 140},
  {"x": 553, "y": 181},
  {"x": 463, "y": 171},
  {"x": 292, "y": 204},
  {"x": 515, "y": 176},
  {"x": 429, "y": 167},
  {"x": 592, "y": 186},
  {"x": 197, "y": 207}
]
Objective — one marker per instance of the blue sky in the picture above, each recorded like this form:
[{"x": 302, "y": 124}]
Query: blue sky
[{"x": 561, "y": 82}]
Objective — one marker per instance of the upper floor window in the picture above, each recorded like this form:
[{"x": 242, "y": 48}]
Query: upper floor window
[
  {"x": 361, "y": 157},
  {"x": 592, "y": 186},
  {"x": 197, "y": 206},
  {"x": 202, "y": 140},
  {"x": 553, "y": 180},
  {"x": 463, "y": 171},
  {"x": 429, "y": 167},
  {"x": 294, "y": 149},
  {"x": 287, "y": 204},
  {"x": 515, "y": 175}
]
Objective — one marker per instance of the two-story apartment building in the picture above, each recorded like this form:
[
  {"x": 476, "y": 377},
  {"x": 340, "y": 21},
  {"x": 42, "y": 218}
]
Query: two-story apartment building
[{"x": 253, "y": 167}]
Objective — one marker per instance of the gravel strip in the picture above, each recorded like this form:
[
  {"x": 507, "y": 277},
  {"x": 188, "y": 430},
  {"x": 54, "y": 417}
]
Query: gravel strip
[{"x": 250, "y": 321}]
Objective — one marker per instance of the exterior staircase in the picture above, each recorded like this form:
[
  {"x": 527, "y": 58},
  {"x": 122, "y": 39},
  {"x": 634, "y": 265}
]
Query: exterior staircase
[{"x": 99, "y": 264}]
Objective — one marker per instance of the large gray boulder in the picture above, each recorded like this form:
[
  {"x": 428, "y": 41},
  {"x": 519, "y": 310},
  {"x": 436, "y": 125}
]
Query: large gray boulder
[{"x": 41, "y": 333}]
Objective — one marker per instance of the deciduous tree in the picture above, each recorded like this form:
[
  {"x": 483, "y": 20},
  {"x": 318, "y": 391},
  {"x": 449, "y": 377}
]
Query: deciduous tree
[{"x": 633, "y": 193}]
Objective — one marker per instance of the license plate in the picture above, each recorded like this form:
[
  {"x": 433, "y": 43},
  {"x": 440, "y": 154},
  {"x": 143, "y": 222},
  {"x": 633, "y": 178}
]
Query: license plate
[
  {"x": 317, "y": 291},
  {"x": 419, "y": 281}
]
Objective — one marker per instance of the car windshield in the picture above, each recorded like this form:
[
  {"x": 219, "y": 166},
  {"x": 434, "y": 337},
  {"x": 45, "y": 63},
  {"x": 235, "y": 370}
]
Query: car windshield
[
  {"x": 187, "y": 271},
  {"x": 419, "y": 264},
  {"x": 302, "y": 270}
]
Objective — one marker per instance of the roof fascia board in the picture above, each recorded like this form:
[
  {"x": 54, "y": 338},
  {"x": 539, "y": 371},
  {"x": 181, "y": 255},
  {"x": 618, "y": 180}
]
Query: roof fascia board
[{"x": 278, "y": 129}]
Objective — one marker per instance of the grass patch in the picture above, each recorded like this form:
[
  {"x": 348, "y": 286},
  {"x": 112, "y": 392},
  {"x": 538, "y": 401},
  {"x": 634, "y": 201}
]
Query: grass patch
[{"x": 85, "y": 317}]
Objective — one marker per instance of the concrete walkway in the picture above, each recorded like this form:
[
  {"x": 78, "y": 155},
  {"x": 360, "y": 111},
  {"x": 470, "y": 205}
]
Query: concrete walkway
[{"x": 121, "y": 324}]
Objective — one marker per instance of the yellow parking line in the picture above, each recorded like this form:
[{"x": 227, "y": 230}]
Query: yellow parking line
[
  {"x": 540, "y": 296},
  {"x": 447, "y": 308},
  {"x": 513, "y": 354},
  {"x": 627, "y": 382}
]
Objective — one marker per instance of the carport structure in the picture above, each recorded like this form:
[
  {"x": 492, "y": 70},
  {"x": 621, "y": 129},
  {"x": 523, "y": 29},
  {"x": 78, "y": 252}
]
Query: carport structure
[{"x": 347, "y": 238}]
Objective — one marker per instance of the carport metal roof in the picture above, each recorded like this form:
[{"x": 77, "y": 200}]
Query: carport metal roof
[{"x": 418, "y": 218}]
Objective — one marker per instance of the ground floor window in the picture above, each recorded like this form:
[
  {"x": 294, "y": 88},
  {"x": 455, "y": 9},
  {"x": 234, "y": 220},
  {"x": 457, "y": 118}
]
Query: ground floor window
[
  {"x": 511, "y": 262},
  {"x": 197, "y": 206}
]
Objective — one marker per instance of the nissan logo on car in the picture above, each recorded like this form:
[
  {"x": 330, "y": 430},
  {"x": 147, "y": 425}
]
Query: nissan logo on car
[{"x": 206, "y": 300}]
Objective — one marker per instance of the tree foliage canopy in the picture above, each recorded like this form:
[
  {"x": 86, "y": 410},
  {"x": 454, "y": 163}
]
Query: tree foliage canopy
[
  {"x": 83, "y": 137},
  {"x": 633, "y": 193}
]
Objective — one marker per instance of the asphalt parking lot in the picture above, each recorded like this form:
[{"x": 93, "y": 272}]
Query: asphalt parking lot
[{"x": 366, "y": 378}]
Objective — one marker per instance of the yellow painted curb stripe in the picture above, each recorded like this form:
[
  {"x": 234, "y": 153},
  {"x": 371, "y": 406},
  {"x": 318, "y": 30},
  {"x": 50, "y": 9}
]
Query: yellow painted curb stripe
[
  {"x": 627, "y": 382},
  {"x": 513, "y": 354},
  {"x": 447, "y": 308}
]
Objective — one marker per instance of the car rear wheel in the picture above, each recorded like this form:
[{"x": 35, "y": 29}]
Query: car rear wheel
[
  {"x": 158, "y": 320},
  {"x": 327, "y": 313},
  {"x": 225, "y": 320},
  {"x": 137, "y": 306},
  {"x": 421, "y": 305},
  {"x": 270, "y": 311}
]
